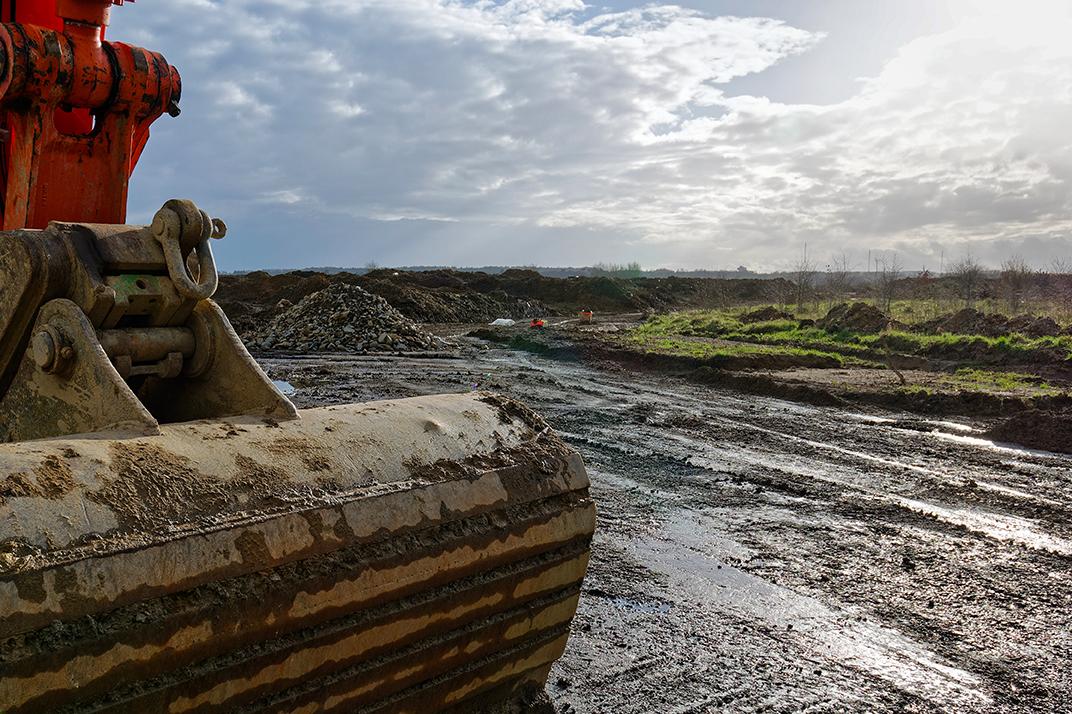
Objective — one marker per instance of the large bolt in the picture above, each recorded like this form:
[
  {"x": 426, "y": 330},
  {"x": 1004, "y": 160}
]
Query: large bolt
[
  {"x": 44, "y": 349},
  {"x": 50, "y": 351}
]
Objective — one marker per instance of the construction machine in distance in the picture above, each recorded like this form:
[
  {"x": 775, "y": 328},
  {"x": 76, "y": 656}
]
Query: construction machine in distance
[{"x": 174, "y": 535}]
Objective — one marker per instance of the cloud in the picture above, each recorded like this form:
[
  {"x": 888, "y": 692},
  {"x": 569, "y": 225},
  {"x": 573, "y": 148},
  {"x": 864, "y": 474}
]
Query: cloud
[{"x": 470, "y": 131}]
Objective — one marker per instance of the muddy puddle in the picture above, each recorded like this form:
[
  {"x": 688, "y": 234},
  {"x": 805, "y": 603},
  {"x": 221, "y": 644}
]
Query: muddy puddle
[
  {"x": 284, "y": 386},
  {"x": 758, "y": 555}
]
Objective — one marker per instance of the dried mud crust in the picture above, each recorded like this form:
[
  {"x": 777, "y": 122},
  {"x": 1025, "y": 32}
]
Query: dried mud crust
[
  {"x": 510, "y": 409},
  {"x": 536, "y": 459},
  {"x": 154, "y": 491},
  {"x": 149, "y": 488},
  {"x": 53, "y": 479},
  {"x": 756, "y": 554}
]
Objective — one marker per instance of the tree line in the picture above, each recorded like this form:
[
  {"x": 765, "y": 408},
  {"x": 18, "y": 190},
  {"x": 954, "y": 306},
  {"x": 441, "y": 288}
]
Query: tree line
[{"x": 1015, "y": 287}]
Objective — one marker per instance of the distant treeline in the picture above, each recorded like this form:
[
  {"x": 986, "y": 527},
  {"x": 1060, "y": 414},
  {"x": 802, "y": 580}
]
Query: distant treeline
[{"x": 632, "y": 270}]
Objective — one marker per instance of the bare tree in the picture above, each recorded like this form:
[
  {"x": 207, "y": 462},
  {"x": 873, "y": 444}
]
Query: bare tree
[
  {"x": 804, "y": 275},
  {"x": 838, "y": 278},
  {"x": 889, "y": 273},
  {"x": 1060, "y": 281},
  {"x": 1016, "y": 279},
  {"x": 967, "y": 275},
  {"x": 781, "y": 292}
]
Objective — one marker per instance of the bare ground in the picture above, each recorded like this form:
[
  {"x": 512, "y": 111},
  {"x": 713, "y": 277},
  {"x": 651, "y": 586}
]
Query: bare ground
[
  {"x": 920, "y": 385},
  {"x": 754, "y": 554}
]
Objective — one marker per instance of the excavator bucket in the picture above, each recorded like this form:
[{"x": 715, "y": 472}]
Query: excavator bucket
[
  {"x": 174, "y": 535},
  {"x": 401, "y": 556}
]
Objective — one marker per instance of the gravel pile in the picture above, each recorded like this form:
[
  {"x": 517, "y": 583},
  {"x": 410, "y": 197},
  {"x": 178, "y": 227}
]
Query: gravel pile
[{"x": 343, "y": 318}]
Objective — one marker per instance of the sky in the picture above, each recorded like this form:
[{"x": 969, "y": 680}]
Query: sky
[{"x": 703, "y": 134}]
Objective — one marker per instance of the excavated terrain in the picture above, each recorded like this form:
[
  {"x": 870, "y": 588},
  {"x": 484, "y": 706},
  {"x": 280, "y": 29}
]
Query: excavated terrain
[
  {"x": 253, "y": 300},
  {"x": 754, "y": 554}
]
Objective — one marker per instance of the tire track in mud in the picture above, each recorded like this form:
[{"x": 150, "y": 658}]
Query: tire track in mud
[{"x": 758, "y": 555}]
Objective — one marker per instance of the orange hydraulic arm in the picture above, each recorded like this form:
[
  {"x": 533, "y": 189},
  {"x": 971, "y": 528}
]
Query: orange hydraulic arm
[{"x": 75, "y": 112}]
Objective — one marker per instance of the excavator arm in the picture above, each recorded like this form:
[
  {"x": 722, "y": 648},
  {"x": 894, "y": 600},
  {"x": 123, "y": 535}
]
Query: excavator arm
[{"x": 76, "y": 111}]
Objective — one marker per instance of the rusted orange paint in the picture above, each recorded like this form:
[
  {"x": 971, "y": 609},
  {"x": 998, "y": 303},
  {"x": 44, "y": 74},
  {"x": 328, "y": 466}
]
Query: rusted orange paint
[{"x": 77, "y": 111}]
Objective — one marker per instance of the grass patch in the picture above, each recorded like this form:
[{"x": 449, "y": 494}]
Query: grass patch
[
  {"x": 789, "y": 334},
  {"x": 913, "y": 310},
  {"x": 981, "y": 380},
  {"x": 915, "y": 390},
  {"x": 678, "y": 346}
]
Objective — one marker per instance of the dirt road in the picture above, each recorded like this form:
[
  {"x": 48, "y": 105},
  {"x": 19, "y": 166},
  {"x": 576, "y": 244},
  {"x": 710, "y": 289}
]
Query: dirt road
[{"x": 758, "y": 555}]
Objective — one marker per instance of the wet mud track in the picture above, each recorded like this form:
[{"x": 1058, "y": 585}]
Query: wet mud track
[{"x": 758, "y": 555}]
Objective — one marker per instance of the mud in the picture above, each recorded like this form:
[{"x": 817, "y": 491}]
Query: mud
[
  {"x": 1038, "y": 429},
  {"x": 150, "y": 488},
  {"x": 755, "y": 554},
  {"x": 53, "y": 479},
  {"x": 929, "y": 387}
]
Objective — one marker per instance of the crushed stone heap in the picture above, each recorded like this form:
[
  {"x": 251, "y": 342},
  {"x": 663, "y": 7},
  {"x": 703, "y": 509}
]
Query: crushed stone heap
[{"x": 343, "y": 318}]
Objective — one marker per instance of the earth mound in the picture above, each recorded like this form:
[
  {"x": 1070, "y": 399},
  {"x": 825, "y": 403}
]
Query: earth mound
[
  {"x": 1037, "y": 429},
  {"x": 443, "y": 296},
  {"x": 342, "y": 318},
  {"x": 970, "y": 321},
  {"x": 252, "y": 300},
  {"x": 764, "y": 314},
  {"x": 854, "y": 317}
]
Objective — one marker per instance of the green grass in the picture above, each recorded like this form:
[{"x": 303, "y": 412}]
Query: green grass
[
  {"x": 675, "y": 345},
  {"x": 982, "y": 380},
  {"x": 725, "y": 325},
  {"x": 915, "y": 390},
  {"x": 912, "y": 311}
]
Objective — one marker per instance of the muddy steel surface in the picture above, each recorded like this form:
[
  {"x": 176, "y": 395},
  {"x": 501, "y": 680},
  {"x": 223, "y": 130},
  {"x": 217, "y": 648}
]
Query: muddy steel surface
[{"x": 757, "y": 555}]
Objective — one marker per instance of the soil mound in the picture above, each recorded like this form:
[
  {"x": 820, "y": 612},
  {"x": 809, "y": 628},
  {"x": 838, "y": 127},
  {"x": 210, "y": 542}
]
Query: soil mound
[
  {"x": 972, "y": 322},
  {"x": 1037, "y": 429},
  {"x": 252, "y": 300},
  {"x": 1034, "y": 326},
  {"x": 342, "y": 318},
  {"x": 443, "y": 296},
  {"x": 968, "y": 322},
  {"x": 854, "y": 317},
  {"x": 764, "y": 314}
]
